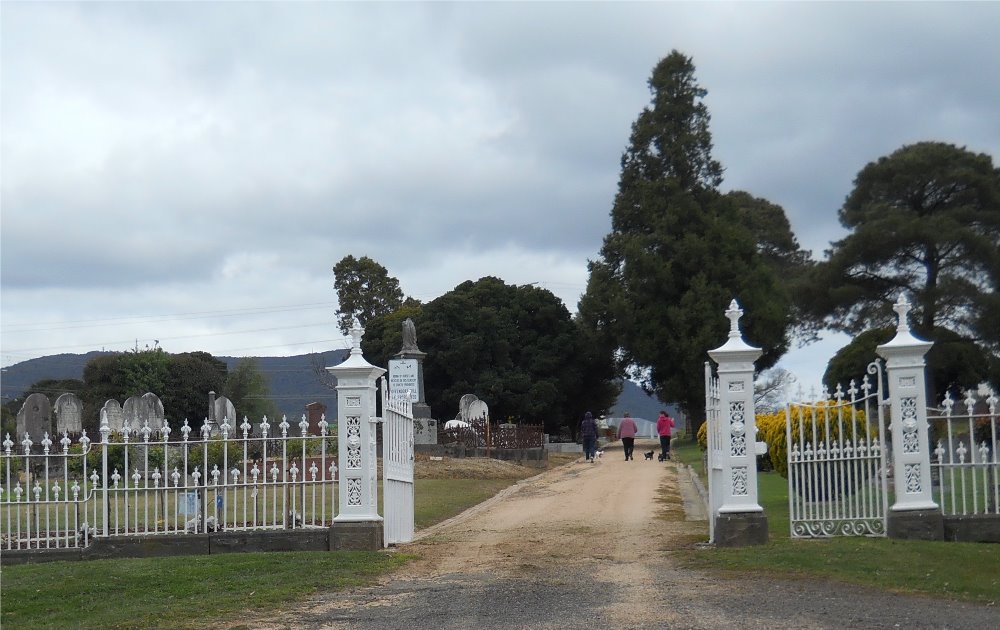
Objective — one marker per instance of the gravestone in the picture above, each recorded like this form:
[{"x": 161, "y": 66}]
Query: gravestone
[
  {"x": 425, "y": 431},
  {"x": 478, "y": 409},
  {"x": 116, "y": 419},
  {"x": 35, "y": 417},
  {"x": 463, "y": 406},
  {"x": 224, "y": 410},
  {"x": 314, "y": 413},
  {"x": 69, "y": 414},
  {"x": 138, "y": 410}
]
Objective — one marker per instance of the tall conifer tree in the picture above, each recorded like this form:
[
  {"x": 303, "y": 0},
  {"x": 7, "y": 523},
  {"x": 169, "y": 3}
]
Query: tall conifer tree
[{"x": 679, "y": 251}]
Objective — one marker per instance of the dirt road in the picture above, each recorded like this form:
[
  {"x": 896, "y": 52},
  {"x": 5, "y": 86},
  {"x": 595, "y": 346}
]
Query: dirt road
[{"x": 588, "y": 546}]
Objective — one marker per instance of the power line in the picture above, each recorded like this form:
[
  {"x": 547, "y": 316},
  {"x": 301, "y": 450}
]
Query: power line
[
  {"x": 130, "y": 341},
  {"x": 142, "y": 319}
]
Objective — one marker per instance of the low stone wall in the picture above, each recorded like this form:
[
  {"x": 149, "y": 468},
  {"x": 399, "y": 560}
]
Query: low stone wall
[
  {"x": 534, "y": 457},
  {"x": 564, "y": 447},
  {"x": 361, "y": 536},
  {"x": 972, "y": 528}
]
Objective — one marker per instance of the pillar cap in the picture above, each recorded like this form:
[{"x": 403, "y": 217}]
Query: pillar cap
[
  {"x": 904, "y": 339},
  {"x": 735, "y": 348},
  {"x": 355, "y": 360}
]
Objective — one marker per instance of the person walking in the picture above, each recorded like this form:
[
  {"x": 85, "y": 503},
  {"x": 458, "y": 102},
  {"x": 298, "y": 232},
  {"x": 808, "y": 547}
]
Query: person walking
[
  {"x": 588, "y": 431},
  {"x": 664, "y": 427},
  {"x": 626, "y": 433}
]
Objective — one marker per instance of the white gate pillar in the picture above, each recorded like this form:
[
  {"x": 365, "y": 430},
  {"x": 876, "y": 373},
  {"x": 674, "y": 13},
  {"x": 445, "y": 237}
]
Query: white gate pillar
[
  {"x": 914, "y": 513},
  {"x": 739, "y": 519},
  {"x": 356, "y": 421}
]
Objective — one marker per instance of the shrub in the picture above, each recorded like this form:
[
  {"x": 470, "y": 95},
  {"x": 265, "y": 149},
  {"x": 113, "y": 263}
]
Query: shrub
[
  {"x": 843, "y": 420},
  {"x": 834, "y": 424}
]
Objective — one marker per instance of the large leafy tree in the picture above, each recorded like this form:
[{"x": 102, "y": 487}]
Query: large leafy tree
[
  {"x": 182, "y": 381},
  {"x": 190, "y": 376},
  {"x": 248, "y": 389},
  {"x": 515, "y": 347},
  {"x": 954, "y": 363},
  {"x": 679, "y": 251},
  {"x": 924, "y": 221},
  {"x": 364, "y": 290}
]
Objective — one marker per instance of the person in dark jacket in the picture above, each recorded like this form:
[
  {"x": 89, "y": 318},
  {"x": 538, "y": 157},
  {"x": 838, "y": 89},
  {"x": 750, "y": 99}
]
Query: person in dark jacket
[{"x": 588, "y": 431}]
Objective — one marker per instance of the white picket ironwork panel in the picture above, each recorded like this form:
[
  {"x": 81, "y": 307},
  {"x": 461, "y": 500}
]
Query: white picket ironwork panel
[
  {"x": 965, "y": 468},
  {"x": 140, "y": 483},
  {"x": 397, "y": 467},
  {"x": 837, "y": 476}
]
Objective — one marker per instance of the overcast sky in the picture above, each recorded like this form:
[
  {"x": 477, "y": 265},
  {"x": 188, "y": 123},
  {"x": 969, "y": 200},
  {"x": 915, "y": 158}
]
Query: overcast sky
[{"x": 190, "y": 172}]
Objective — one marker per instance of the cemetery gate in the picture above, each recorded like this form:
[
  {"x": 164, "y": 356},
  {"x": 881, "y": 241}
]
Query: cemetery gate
[
  {"x": 397, "y": 467},
  {"x": 837, "y": 475}
]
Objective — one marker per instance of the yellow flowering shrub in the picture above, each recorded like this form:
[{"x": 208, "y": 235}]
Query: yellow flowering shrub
[
  {"x": 771, "y": 429},
  {"x": 833, "y": 425}
]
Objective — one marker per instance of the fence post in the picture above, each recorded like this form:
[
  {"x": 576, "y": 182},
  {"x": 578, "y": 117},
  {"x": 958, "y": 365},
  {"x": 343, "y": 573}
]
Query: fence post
[
  {"x": 739, "y": 520},
  {"x": 914, "y": 514},
  {"x": 358, "y": 524},
  {"x": 105, "y": 431}
]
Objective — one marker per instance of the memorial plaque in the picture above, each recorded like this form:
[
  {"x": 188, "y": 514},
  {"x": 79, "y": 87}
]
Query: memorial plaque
[{"x": 404, "y": 376}]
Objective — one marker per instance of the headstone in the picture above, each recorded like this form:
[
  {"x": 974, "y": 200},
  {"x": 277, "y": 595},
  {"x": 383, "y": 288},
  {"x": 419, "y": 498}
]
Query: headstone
[
  {"x": 463, "y": 406},
  {"x": 116, "y": 419},
  {"x": 35, "y": 417},
  {"x": 138, "y": 410},
  {"x": 425, "y": 431},
  {"x": 406, "y": 374},
  {"x": 69, "y": 414},
  {"x": 404, "y": 377},
  {"x": 314, "y": 414},
  {"x": 224, "y": 410},
  {"x": 478, "y": 409}
]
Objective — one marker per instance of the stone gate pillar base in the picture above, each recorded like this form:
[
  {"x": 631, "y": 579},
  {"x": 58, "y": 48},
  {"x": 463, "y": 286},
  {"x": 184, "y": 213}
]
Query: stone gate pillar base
[
  {"x": 741, "y": 529},
  {"x": 356, "y": 536},
  {"x": 915, "y": 525}
]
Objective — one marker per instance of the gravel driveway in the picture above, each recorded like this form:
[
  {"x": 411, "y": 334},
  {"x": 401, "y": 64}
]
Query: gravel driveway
[{"x": 588, "y": 546}]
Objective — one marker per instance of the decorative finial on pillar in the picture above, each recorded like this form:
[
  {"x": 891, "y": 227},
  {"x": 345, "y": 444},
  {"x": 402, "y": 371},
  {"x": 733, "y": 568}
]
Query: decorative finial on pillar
[
  {"x": 357, "y": 332},
  {"x": 902, "y": 308},
  {"x": 734, "y": 313}
]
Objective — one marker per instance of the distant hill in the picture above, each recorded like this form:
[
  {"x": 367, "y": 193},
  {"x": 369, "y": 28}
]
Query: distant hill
[
  {"x": 641, "y": 405},
  {"x": 294, "y": 381}
]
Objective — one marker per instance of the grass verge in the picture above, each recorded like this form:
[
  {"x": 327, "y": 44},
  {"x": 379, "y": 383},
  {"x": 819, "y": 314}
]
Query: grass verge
[
  {"x": 176, "y": 592},
  {"x": 962, "y": 571}
]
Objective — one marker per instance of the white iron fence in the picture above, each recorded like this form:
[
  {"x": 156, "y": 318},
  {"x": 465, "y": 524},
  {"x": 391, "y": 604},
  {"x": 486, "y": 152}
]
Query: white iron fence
[
  {"x": 837, "y": 476},
  {"x": 964, "y": 466},
  {"x": 147, "y": 484}
]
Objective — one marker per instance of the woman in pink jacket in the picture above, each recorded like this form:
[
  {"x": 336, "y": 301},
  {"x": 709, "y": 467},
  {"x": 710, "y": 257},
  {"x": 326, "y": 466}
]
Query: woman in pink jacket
[
  {"x": 626, "y": 433},
  {"x": 664, "y": 426}
]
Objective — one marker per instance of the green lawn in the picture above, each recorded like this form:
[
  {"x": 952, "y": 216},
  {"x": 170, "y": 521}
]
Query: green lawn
[
  {"x": 965, "y": 571},
  {"x": 175, "y": 592}
]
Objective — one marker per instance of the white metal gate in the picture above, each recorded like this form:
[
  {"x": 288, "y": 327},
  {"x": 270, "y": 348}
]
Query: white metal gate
[
  {"x": 397, "y": 467},
  {"x": 837, "y": 477},
  {"x": 714, "y": 454}
]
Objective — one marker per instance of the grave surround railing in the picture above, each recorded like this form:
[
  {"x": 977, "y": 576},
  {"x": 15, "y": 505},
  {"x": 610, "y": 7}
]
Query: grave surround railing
[{"x": 155, "y": 481}]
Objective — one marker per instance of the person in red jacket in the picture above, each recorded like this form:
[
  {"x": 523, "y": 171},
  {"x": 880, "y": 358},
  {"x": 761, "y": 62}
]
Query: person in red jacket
[
  {"x": 664, "y": 427},
  {"x": 626, "y": 433}
]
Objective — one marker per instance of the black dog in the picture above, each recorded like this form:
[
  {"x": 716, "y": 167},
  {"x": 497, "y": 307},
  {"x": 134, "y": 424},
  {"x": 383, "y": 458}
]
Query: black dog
[{"x": 648, "y": 455}]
